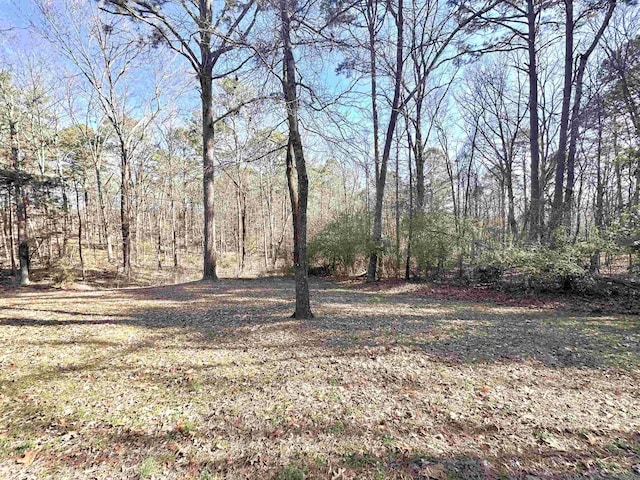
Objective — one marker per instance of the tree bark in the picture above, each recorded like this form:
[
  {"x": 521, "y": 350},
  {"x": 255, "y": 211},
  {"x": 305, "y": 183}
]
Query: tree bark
[
  {"x": 300, "y": 191},
  {"x": 209, "y": 260},
  {"x": 21, "y": 208},
  {"x": 381, "y": 173},
  {"x": 535, "y": 210},
  {"x": 208, "y": 119},
  {"x": 561, "y": 154}
]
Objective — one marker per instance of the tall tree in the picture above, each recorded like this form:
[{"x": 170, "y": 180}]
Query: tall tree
[
  {"x": 382, "y": 160},
  {"x": 105, "y": 56},
  {"x": 205, "y": 36},
  {"x": 297, "y": 178},
  {"x": 11, "y": 116},
  {"x": 573, "y": 88}
]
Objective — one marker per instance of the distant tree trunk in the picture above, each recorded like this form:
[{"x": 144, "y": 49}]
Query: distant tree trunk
[
  {"x": 266, "y": 239},
  {"x": 103, "y": 216},
  {"x": 4, "y": 232},
  {"x": 600, "y": 186},
  {"x": 174, "y": 234},
  {"x": 65, "y": 212},
  {"x": 298, "y": 186},
  {"x": 12, "y": 246},
  {"x": 21, "y": 208},
  {"x": 419, "y": 159},
  {"x": 535, "y": 210},
  {"x": 125, "y": 208},
  {"x": 241, "y": 224},
  {"x": 86, "y": 208},
  {"x": 185, "y": 224},
  {"x": 513, "y": 226},
  {"x": 407, "y": 270},
  {"x": 159, "y": 240},
  {"x": 561, "y": 154},
  {"x": 381, "y": 172},
  {"x": 502, "y": 209},
  {"x": 81, "y": 257}
]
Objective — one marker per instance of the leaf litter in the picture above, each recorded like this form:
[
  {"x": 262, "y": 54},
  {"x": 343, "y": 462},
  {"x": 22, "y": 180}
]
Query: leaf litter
[{"x": 214, "y": 380}]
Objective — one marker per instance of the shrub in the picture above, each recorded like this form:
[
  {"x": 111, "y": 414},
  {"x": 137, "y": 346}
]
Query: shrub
[
  {"x": 63, "y": 272},
  {"x": 342, "y": 242},
  {"x": 564, "y": 264},
  {"x": 488, "y": 273},
  {"x": 434, "y": 240}
]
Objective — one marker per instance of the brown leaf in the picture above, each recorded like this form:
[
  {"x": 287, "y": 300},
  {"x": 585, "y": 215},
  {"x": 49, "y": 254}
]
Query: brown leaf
[
  {"x": 434, "y": 472},
  {"x": 29, "y": 457}
]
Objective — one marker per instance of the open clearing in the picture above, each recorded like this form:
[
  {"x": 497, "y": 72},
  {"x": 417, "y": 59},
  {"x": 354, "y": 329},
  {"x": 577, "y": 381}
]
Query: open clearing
[{"x": 205, "y": 380}]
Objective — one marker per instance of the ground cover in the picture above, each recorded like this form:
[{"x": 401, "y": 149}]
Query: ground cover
[{"x": 202, "y": 380}]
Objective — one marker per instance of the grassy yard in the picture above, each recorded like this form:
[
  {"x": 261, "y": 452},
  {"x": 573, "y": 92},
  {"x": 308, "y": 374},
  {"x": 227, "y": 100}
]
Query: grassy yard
[{"x": 215, "y": 381}]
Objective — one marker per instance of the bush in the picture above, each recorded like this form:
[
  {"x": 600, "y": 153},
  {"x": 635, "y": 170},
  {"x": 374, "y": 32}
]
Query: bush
[
  {"x": 342, "y": 242},
  {"x": 63, "y": 272},
  {"x": 488, "y": 273},
  {"x": 435, "y": 240},
  {"x": 565, "y": 264}
]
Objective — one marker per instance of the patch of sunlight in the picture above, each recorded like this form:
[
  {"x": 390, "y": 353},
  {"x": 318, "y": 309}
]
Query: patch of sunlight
[
  {"x": 505, "y": 310},
  {"x": 249, "y": 300},
  {"x": 405, "y": 309}
]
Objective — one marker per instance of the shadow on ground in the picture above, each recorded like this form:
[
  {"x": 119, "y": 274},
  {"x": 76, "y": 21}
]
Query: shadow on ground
[
  {"x": 387, "y": 380},
  {"x": 454, "y": 331}
]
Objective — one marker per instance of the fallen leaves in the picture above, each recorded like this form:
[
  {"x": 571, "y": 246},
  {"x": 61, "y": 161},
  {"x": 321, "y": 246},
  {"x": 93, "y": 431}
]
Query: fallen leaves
[
  {"x": 28, "y": 458},
  {"x": 434, "y": 472},
  {"x": 215, "y": 378}
]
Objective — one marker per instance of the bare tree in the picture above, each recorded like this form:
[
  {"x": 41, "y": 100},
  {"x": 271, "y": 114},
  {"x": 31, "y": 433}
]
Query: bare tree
[
  {"x": 105, "y": 56},
  {"x": 573, "y": 88},
  {"x": 498, "y": 110},
  {"x": 205, "y": 37},
  {"x": 12, "y": 115}
]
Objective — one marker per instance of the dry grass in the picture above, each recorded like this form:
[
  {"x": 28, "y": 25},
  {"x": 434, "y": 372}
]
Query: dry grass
[{"x": 215, "y": 381}]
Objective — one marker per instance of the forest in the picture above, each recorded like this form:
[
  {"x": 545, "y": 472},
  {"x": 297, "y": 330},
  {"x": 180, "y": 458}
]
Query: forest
[{"x": 449, "y": 187}]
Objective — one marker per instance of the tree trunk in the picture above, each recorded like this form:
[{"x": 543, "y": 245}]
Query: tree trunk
[
  {"x": 174, "y": 234},
  {"x": 3, "y": 233},
  {"x": 65, "y": 212},
  {"x": 419, "y": 159},
  {"x": 513, "y": 226},
  {"x": 300, "y": 191},
  {"x": 103, "y": 216},
  {"x": 265, "y": 239},
  {"x": 80, "y": 256},
  {"x": 397, "y": 212},
  {"x": 407, "y": 269},
  {"x": 381, "y": 173},
  {"x": 209, "y": 259},
  {"x": 561, "y": 154},
  {"x": 575, "y": 114},
  {"x": 12, "y": 245},
  {"x": 206, "y": 83},
  {"x": 125, "y": 209},
  {"x": 21, "y": 208},
  {"x": 535, "y": 210}
]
